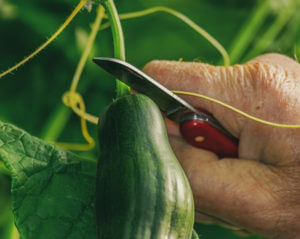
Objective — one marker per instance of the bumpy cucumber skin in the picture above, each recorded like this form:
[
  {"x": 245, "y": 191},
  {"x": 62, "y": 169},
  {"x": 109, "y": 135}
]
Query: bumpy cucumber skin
[{"x": 142, "y": 191}]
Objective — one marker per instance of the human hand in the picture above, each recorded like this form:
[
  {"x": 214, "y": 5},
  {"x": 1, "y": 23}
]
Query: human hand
[{"x": 260, "y": 191}]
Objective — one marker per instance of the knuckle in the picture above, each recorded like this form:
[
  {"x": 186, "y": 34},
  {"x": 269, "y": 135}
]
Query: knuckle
[
  {"x": 266, "y": 88},
  {"x": 150, "y": 66}
]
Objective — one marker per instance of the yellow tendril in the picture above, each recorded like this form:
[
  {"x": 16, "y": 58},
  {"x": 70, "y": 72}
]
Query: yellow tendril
[
  {"x": 295, "y": 126},
  {"x": 43, "y": 46},
  {"x": 183, "y": 18},
  {"x": 88, "y": 48},
  {"x": 74, "y": 100}
]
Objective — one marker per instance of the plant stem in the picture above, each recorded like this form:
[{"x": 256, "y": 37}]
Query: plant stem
[
  {"x": 249, "y": 30},
  {"x": 60, "y": 117},
  {"x": 181, "y": 17},
  {"x": 119, "y": 46},
  {"x": 240, "y": 112},
  {"x": 56, "y": 123},
  {"x": 267, "y": 38},
  {"x": 51, "y": 39},
  {"x": 88, "y": 48}
]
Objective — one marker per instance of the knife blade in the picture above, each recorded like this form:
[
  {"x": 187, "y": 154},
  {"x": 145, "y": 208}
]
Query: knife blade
[
  {"x": 167, "y": 101},
  {"x": 198, "y": 127}
]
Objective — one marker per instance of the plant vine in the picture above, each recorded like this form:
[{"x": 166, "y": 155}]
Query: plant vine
[{"x": 108, "y": 11}]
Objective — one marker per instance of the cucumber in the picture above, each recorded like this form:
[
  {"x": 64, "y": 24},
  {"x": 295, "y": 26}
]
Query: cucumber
[{"x": 142, "y": 191}]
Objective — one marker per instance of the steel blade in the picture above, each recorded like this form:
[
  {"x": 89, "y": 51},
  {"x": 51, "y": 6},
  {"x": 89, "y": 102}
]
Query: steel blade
[{"x": 167, "y": 101}]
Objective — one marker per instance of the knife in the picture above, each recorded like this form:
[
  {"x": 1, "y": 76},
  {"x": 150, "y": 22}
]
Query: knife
[{"x": 197, "y": 126}]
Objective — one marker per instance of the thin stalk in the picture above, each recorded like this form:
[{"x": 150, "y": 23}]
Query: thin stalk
[
  {"x": 58, "y": 120},
  {"x": 74, "y": 100},
  {"x": 240, "y": 112},
  {"x": 248, "y": 30},
  {"x": 52, "y": 38},
  {"x": 56, "y": 123},
  {"x": 181, "y": 17},
  {"x": 268, "y": 37},
  {"x": 119, "y": 45},
  {"x": 87, "y": 50}
]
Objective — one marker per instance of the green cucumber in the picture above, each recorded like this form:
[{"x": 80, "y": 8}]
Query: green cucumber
[{"x": 142, "y": 191}]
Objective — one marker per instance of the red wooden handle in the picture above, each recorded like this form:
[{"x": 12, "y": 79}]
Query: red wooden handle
[{"x": 203, "y": 135}]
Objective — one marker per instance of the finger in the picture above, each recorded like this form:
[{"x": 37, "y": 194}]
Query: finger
[
  {"x": 262, "y": 88},
  {"x": 249, "y": 87},
  {"x": 238, "y": 192},
  {"x": 279, "y": 60},
  {"x": 216, "y": 82}
]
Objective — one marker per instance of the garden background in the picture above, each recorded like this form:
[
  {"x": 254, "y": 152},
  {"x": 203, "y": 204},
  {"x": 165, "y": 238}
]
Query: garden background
[{"x": 31, "y": 96}]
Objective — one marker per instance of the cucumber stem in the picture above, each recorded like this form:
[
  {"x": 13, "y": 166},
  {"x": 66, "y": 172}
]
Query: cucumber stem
[
  {"x": 181, "y": 17},
  {"x": 119, "y": 46}
]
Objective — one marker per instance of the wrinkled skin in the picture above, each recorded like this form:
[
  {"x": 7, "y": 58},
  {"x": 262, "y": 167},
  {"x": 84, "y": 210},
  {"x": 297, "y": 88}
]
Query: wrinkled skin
[{"x": 260, "y": 191}]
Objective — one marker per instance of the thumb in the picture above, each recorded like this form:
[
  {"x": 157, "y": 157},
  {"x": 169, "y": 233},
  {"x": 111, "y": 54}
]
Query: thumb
[
  {"x": 215, "y": 81},
  {"x": 247, "y": 87}
]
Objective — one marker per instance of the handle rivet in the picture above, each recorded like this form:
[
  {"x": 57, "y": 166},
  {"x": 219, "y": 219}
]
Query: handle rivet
[{"x": 199, "y": 139}]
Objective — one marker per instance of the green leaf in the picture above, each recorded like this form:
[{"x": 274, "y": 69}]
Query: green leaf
[
  {"x": 194, "y": 235},
  {"x": 53, "y": 189}
]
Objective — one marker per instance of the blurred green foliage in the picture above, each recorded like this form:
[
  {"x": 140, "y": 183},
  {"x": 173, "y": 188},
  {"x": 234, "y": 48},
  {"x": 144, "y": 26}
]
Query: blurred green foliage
[{"x": 31, "y": 97}]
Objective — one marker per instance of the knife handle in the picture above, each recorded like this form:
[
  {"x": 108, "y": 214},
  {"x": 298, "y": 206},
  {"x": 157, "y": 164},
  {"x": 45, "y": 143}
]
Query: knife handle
[{"x": 201, "y": 134}]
